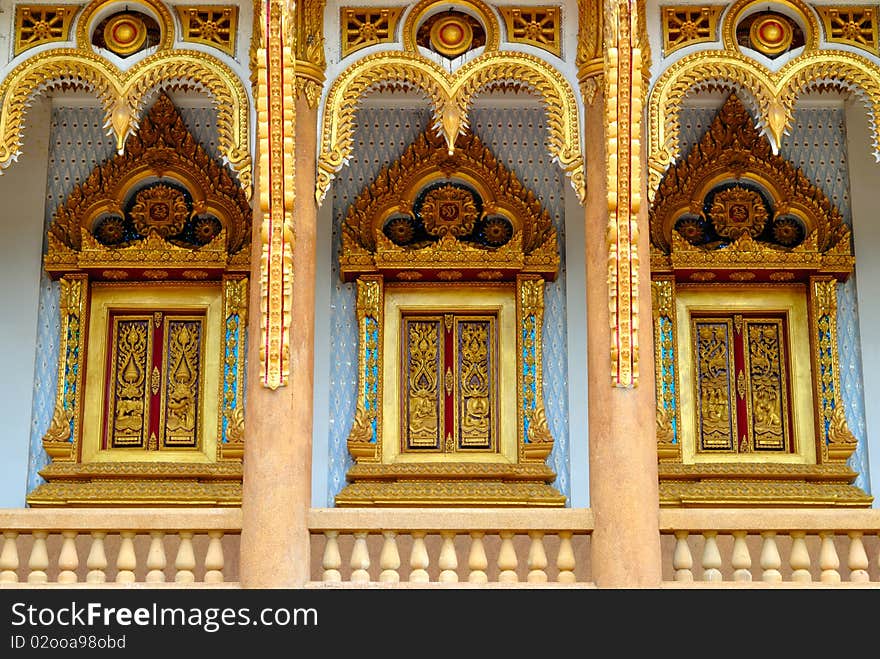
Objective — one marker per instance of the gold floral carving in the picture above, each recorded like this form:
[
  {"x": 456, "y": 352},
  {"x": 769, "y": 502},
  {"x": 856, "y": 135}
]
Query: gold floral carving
[
  {"x": 122, "y": 94},
  {"x": 365, "y": 247},
  {"x": 853, "y": 25},
  {"x": 451, "y": 95},
  {"x": 538, "y": 443},
  {"x": 623, "y": 109},
  {"x": 213, "y": 25},
  {"x": 684, "y": 25},
  {"x": 836, "y": 440},
  {"x": 39, "y": 24},
  {"x": 276, "y": 79},
  {"x": 307, "y": 31},
  {"x": 537, "y": 26},
  {"x": 772, "y": 93},
  {"x": 590, "y": 56},
  {"x": 665, "y": 370}
]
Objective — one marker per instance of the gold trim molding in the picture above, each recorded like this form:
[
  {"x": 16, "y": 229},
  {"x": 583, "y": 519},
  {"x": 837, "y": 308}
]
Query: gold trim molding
[
  {"x": 851, "y": 25},
  {"x": 276, "y": 119},
  {"x": 623, "y": 111}
]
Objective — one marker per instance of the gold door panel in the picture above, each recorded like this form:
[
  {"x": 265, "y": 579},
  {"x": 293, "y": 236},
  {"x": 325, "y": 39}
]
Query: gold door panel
[{"x": 450, "y": 382}]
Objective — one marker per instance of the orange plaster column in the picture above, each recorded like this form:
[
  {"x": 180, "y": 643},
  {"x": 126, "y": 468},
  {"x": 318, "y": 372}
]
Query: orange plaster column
[
  {"x": 624, "y": 487},
  {"x": 278, "y": 446},
  {"x": 624, "y": 494},
  {"x": 276, "y": 493}
]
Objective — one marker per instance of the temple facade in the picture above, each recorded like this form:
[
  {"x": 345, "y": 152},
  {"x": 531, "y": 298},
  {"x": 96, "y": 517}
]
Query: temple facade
[{"x": 300, "y": 280}]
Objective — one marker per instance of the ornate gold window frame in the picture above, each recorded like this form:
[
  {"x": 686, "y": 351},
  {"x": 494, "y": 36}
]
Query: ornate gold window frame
[
  {"x": 705, "y": 257},
  {"x": 149, "y": 267},
  {"x": 449, "y": 270}
]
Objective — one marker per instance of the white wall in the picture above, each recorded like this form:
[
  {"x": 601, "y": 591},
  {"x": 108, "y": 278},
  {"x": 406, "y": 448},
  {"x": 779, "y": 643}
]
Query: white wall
[
  {"x": 321, "y": 416},
  {"x": 576, "y": 317},
  {"x": 864, "y": 173},
  {"x": 22, "y": 202}
]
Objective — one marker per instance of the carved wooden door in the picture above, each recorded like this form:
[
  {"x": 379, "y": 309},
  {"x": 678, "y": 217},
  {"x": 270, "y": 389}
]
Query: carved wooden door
[
  {"x": 449, "y": 386},
  {"x": 742, "y": 388},
  {"x": 154, "y": 380}
]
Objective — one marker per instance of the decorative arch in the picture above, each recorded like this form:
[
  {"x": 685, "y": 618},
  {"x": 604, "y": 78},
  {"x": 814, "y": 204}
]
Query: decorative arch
[
  {"x": 123, "y": 95},
  {"x": 451, "y": 94},
  {"x": 771, "y": 94}
]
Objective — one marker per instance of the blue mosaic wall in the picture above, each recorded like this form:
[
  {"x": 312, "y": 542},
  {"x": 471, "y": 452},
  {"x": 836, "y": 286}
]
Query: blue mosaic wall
[
  {"x": 517, "y": 137},
  {"x": 77, "y": 144},
  {"x": 817, "y": 144}
]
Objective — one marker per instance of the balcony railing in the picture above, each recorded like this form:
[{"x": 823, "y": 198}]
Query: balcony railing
[{"x": 442, "y": 548}]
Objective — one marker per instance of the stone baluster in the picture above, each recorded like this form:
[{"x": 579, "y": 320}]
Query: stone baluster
[
  {"x": 770, "y": 559},
  {"x": 448, "y": 560},
  {"x": 829, "y": 561},
  {"x": 214, "y": 561},
  {"x": 537, "y": 559},
  {"x": 477, "y": 561},
  {"x": 389, "y": 559},
  {"x": 682, "y": 560},
  {"x": 360, "y": 558},
  {"x": 858, "y": 559},
  {"x": 39, "y": 560},
  {"x": 156, "y": 559},
  {"x": 711, "y": 559},
  {"x": 741, "y": 559},
  {"x": 9, "y": 558},
  {"x": 800, "y": 558},
  {"x": 332, "y": 559},
  {"x": 565, "y": 560},
  {"x": 68, "y": 561},
  {"x": 126, "y": 560},
  {"x": 418, "y": 559},
  {"x": 507, "y": 561},
  {"x": 185, "y": 562},
  {"x": 97, "y": 559}
]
